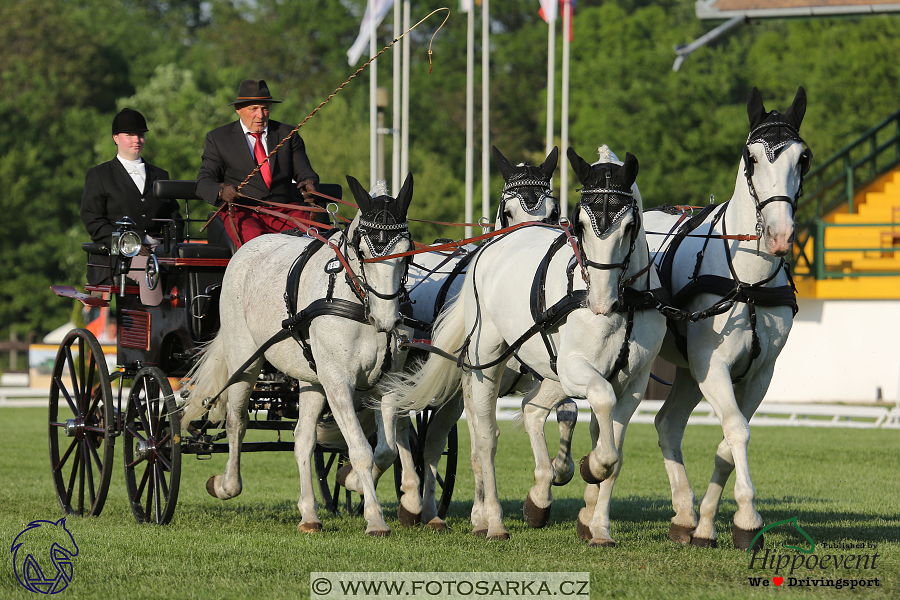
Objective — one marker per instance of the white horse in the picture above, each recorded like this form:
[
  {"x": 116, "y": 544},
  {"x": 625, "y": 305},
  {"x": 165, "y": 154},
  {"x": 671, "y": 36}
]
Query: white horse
[
  {"x": 435, "y": 279},
  {"x": 344, "y": 318},
  {"x": 727, "y": 354},
  {"x": 601, "y": 351}
]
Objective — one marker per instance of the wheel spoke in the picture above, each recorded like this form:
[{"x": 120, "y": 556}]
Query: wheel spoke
[
  {"x": 152, "y": 481},
  {"x": 140, "y": 489},
  {"x": 162, "y": 459},
  {"x": 142, "y": 406},
  {"x": 81, "y": 479},
  {"x": 71, "y": 487},
  {"x": 136, "y": 433},
  {"x": 92, "y": 494},
  {"x": 156, "y": 493},
  {"x": 73, "y": 379},
  {"x": 93, "y": 451},
  {"x": 65, "y": 457},
  {"x": 69, "y": 401},
  {"x": 164, "y": 486}
]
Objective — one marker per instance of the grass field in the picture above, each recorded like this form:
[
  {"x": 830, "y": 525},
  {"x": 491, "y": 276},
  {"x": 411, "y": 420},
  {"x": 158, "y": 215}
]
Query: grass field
[{"x": 843, "y": 485}]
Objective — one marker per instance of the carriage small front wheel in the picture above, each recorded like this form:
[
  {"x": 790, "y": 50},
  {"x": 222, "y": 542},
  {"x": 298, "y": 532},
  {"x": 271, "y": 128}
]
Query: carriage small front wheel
[
  {"x": 81, "y": 425},
  {"x": 152, "y": 447}
]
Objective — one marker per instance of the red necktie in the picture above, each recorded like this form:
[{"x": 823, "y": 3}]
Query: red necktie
[{"x": 260, "y": 154}]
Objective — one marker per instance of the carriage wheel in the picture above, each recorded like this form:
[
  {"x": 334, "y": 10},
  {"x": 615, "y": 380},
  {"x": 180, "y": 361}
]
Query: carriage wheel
[
  {"x": 81, "y": 427},
  {"x": 446, "y": 476},
  {"x": 152, "y": 447}
]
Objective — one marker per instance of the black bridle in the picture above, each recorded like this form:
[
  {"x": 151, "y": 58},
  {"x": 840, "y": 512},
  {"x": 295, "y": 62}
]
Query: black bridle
[
  {"x": 386, "y": 236},
  {"x": 775, "y": 136},
  {"x": 532, "y": 194}
]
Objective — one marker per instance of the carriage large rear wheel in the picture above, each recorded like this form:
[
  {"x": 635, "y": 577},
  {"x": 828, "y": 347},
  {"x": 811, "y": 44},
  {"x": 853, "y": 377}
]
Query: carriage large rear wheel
[
  {"x": 81, "y": 425},
  {"x": 446, "y": 475},
  {"x": 152, "y": 447}
]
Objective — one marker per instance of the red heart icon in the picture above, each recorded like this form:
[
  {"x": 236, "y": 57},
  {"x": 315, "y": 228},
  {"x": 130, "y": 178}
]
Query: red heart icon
[{"x": 778, "y": 580}]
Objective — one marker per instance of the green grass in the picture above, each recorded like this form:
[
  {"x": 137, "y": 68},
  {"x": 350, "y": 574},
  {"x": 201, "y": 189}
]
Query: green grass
[{"x": 843, "y": 485}]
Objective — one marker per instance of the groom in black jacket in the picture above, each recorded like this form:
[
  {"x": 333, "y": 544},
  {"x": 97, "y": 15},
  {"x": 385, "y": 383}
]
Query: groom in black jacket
[{"x": 124, "y": 187}]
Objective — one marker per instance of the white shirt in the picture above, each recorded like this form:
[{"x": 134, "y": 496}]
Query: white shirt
[
  {"x": 251, "y": 140},
  {"x": 137, "y": 169}
]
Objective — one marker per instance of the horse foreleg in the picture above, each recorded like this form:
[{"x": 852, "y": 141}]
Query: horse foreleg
[
  {"x": 340, "y": 398},
  {"x": 581, "y": 379},
  {"x": 484, "y": 405},
  {"x": 230, "y": 484},
  {"x": 747, "y": 520},
  {"x": 410, "y": 506},
  {"x": 670, "y": 423},
  {"x": 479, "y": 524},
  {"x": 625, "y": 406},
  {"x": 311, "y": 403},
  {"x": 442, "y": 421},
  {"x": 566, "y": 419},
  {"x": 535, "y": 408}
]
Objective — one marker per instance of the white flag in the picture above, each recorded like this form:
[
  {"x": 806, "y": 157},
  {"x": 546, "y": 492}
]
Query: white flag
[
  {"x": 548, "y": 10},
  {"x": 466, "y": 5},
  {"x": 362, "y": 42}
]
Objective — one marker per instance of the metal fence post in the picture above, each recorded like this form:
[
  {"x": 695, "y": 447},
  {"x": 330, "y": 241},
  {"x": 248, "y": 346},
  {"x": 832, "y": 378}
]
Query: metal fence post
[{"x": 819, "y": 251}]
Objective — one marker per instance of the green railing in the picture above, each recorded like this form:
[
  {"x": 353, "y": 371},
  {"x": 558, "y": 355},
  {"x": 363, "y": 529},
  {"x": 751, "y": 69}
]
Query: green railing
[
  {"x": 834, "y": 183},
  {"x": 816, "y": 263}
]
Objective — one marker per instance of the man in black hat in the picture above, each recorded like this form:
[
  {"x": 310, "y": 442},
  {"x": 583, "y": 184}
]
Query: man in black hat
[
  {"x": 124, "y": 187},
  {"x": 233, "y": 151}
]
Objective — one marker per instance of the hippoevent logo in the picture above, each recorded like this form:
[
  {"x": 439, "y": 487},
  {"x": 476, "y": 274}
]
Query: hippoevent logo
[
  {"x": 42, "y": 556},
  {"x": 837, "y": 565}
]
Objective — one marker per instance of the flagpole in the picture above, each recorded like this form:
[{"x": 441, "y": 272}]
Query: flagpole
[
  {"x": 551, "y": 80},
  {"x": 485, "y": 111},
  {"x": 564, "y": 172},
  {"x": 470, "y": 117},
  {"x": 396, "y": 122},
  {"x": 373, "y": 107},
  {"x": 404, "y": 144}
]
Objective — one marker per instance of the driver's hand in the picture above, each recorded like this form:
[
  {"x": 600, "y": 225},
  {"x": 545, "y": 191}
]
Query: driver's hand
[
  {"x": 227, "y": 192},
  {"x": 306, "y": 187}
]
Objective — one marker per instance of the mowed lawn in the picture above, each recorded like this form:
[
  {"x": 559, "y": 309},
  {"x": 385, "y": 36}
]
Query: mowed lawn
[{"x": 842, "y": 485}]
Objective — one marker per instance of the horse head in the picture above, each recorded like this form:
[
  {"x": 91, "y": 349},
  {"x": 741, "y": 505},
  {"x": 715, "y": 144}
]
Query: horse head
[
  {"x": 773, "y": 164},
  {"x": 527, "y": 195},
  {"x": 379, "y": 230},
  {"x": 606, "y": 222}
]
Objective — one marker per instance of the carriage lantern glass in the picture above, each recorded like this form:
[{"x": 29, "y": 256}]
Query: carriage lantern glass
[{"x": 125, "y": 241}]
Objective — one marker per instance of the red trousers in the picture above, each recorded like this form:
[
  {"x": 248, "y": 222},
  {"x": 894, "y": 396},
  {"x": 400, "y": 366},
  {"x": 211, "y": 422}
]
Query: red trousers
[{"x": 251, "y": 224}]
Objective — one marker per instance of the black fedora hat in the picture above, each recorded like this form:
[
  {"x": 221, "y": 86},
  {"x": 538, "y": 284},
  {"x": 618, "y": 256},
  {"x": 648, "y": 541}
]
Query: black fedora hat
[
  {"x": 129, "y": 121},
  {"x": 253, "y": 91}
]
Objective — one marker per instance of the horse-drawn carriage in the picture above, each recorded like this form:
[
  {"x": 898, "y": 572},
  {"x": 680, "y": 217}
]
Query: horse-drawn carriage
[{"x": 156, "y": 345}]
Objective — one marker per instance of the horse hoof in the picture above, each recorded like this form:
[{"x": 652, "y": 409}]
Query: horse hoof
[
  {"x": 586, "y": 472},
  {"x": 535, "y": 516},
  {"x": 309, "y": 527},
  {"x": 379, "y": 533},
  {"x": 499, "y": 536},
  {"x": 479, "y": 532},
  {"x": 342, "y": 474},
  {"x": 438, "y": 525},
  {"x": 743, "y": 538},
  {"x": 703, "y": 543},
  {"x": 211, "y": 486},
  {"x": 407, "y": 519},
  {"x": 583, "y": 531},
  {"x": 602, "y": 543},
  {"x": 679, "y": 534}
]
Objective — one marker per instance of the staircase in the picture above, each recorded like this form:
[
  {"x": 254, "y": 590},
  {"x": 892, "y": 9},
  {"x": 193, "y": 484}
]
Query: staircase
[{"x": 848, "y": 241}]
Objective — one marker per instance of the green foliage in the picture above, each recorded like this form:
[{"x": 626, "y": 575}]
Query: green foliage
[{"x": 70, "y": 66}]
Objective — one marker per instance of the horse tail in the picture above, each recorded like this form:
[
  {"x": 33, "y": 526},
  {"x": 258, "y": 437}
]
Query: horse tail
[
  {"x": 438, "y": 379},
  {"x": 205, "y": 379}
]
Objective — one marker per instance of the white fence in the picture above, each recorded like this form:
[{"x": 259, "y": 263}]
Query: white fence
[{"x": 769, "y": 413}]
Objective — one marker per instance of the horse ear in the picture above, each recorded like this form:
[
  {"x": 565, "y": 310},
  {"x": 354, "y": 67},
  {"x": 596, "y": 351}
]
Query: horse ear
[
  {"x": 549, "y": 165},
  {"x": 359, "y": 193},
  {"x": 506, "y": 168},
  {"x": 628, "y": 173},
  {"x": 755, "y": 109},
  {"x": 579, "y": 165},
  {"x": 406, "y": 194},
  {"x": 794, "y": 114}
]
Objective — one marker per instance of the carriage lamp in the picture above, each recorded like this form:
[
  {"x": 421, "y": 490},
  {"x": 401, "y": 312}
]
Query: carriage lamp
[{"x": 125, "y": 242}]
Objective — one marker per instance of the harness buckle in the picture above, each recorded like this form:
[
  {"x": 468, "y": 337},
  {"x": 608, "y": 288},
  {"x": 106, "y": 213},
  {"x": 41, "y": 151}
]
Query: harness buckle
[{"x": 485, "y": 224}]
